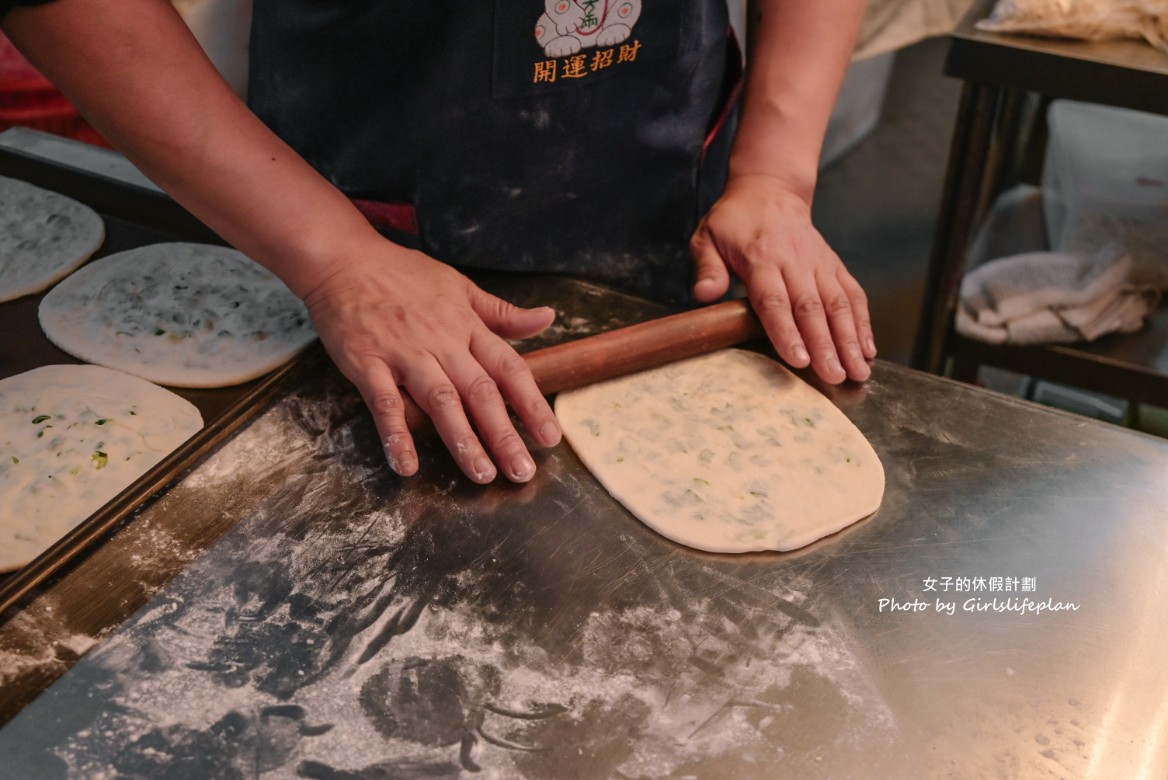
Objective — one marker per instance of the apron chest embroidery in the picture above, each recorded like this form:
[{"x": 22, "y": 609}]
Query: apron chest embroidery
[{"x": 567, "y": 26}]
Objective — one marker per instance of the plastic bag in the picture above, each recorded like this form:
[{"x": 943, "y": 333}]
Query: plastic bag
[{"x": 1084, "y": 19}]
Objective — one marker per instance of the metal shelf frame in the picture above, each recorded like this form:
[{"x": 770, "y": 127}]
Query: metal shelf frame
[{"x": 999, "y": 73}]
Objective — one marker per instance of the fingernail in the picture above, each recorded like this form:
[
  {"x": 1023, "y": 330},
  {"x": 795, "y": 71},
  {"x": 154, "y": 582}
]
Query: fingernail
[
  {"x": 549, "y": 432},
  {"x": 522, "y": 468},
  {"x": 833, "y": 365},
  {"x": 484, "y": 470},
  {"x": 800, "y": 353},
  {"x": 403, "y": 462},
  {"x": 871, "y": 345},
  {"x": 407, "y": 462}
]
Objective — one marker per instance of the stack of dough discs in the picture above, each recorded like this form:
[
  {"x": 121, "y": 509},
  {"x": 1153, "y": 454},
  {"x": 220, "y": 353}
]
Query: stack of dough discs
[
  {"x": 184, "y": 315},
  {"x": 72, "y": 438},
  {"x": 44, "y": 236},
  {"x": 727, "y": 452}
]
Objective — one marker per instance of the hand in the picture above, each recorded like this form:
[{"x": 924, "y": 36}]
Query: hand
[
  {"x": 814, "y": 312},
  {"x": 396, "y": 319}
]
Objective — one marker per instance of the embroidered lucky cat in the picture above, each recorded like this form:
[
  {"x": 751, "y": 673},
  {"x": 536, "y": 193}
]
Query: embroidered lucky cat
[{"x": 567, "y": 26}]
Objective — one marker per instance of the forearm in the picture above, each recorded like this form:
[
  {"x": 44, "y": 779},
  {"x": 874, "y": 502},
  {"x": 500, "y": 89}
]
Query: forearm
[
  {"x": 135, "y": 71},
  {"x": 798, "y": 53},
  {"x": 395, "y": 321}
]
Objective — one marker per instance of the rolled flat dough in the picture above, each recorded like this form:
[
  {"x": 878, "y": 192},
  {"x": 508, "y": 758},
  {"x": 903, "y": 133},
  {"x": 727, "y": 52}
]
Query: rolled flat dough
[
  {"x": 43, "y": 237},
  {"x": 727, "y": 452},
  {"x": 72, "y": 438},
  {"x": 184, "y": 315}
]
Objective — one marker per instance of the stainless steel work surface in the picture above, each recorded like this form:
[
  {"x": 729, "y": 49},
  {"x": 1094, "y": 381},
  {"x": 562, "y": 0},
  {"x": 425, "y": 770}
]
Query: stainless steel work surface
[{"x": 1004, "y": 614}]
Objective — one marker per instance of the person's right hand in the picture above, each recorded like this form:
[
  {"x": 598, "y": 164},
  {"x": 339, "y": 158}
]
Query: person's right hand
[
  {"x": 393, "y": 320},
  {"x": 396, "y": 320}
]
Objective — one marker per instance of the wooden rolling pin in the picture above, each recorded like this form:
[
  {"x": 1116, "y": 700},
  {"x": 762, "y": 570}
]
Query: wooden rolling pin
[
  {"x": 645, "y": 345},
  {"x": 631, "y": 349}
]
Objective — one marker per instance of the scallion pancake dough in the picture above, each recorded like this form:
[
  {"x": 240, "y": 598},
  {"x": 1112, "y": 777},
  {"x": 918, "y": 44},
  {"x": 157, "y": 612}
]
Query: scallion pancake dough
[
  {"x": 727, "y": 452},
  {"x": 184, "y": 315},
  {"x": 44, "y": 236},
  {"x": 71, "y": 438}
]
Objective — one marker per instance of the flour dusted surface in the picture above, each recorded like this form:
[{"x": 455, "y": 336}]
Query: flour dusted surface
[
  {"x": 71, "y": 438},
  {"x": 184, "y": 315},
  {"x": 43, "y": 236},
  {"x": 728, "y": 452}
]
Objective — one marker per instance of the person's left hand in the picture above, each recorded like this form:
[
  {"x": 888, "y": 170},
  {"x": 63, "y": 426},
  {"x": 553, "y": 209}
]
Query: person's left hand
[{"x": 814, "y": 311}]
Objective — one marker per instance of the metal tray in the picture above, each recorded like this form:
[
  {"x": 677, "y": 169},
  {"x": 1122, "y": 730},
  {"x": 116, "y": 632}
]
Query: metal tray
[{"x": 134, "y": 216}]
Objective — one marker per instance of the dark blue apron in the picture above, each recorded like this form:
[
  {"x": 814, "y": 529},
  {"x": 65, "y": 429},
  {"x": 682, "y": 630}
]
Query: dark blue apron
[{"x": 573, "y": 136}]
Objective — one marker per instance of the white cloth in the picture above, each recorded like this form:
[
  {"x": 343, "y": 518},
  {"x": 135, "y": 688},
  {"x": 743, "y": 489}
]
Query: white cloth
[{"x": 1053, "y": 297}]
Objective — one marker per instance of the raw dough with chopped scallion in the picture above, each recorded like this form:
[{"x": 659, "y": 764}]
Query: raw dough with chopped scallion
[
  {"x": 183, "y": 315},
  {"x": 72, "y": 438},
  {"x": 43, "y": 237},
  {"x": 727, "y": 452}
]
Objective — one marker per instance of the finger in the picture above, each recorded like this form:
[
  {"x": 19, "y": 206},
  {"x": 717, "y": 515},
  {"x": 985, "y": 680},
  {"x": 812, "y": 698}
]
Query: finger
[
  {"x": 811, "y": 320},
  {"x": 711, "y": 276},
  {"x": 860, "y": 313},
  {"x": 508, "y": 320},
  {"x": 385, "y": 402},
  {"x": 514, "y": 380},
  {"x": 434, "y": 391},
  {"x": 842, "y": 324},
  {"x": 772, "y": 304},
  {"x": 484, "y": 402}
]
